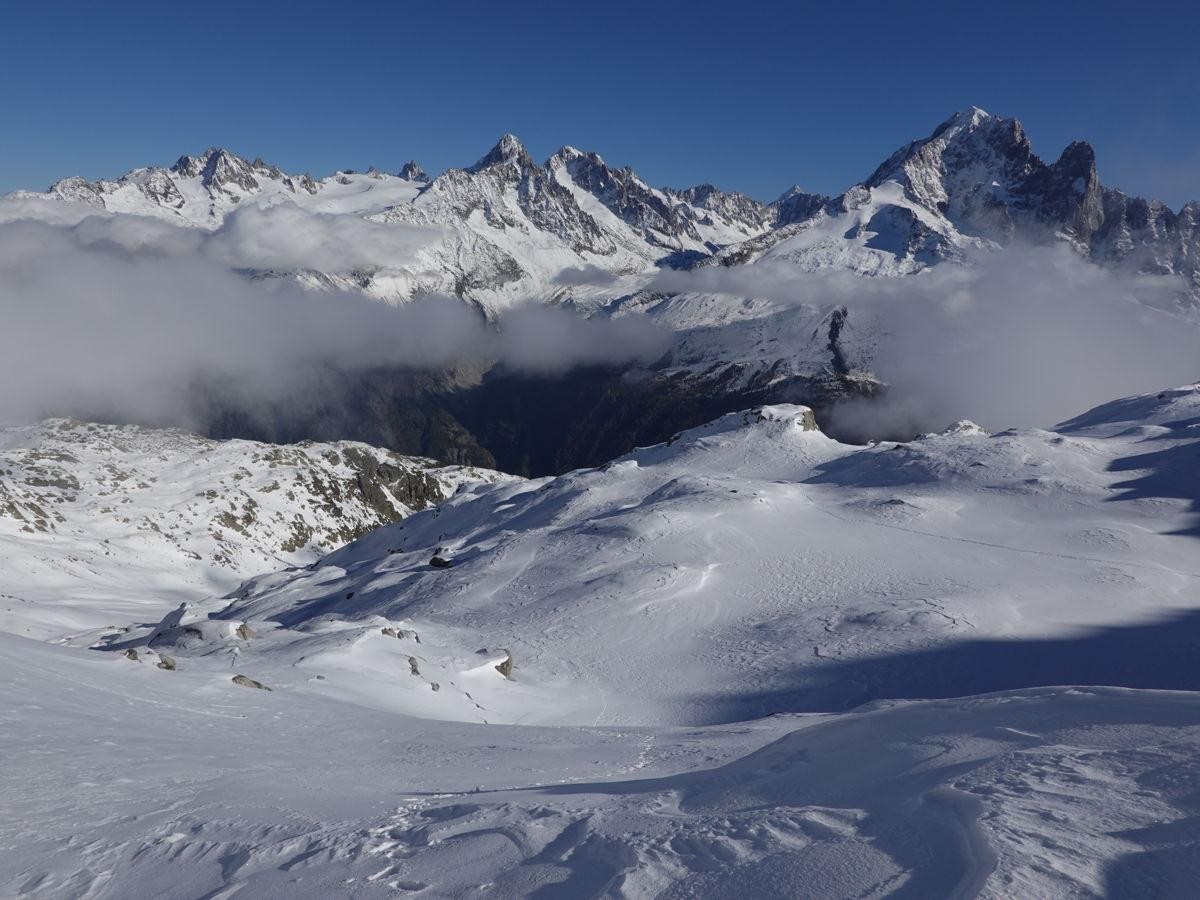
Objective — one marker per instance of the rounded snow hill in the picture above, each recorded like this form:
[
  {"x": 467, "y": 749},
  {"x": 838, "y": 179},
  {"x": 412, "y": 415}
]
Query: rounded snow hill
[{"x": 754, "y": 566}]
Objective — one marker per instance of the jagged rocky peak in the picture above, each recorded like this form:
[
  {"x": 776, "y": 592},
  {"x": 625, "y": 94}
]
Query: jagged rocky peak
[
  {"x": 507, "y": 177},
  {"x": 796, "y": 205},
  {"x": 78, "y": 189},
  {"x": 730, "y": 205},
  {"x": 623, "y": 192},
  {"x": 412, "y": 171},
  {"x": 217, "y": 169},
  {"x": 970, "y": 149},
  {"x": 156, "y": 184},
  {"x": 509, "y": 152},
  {"x": 1068, "y": 193},
  {"x": 980, "y": 171}
]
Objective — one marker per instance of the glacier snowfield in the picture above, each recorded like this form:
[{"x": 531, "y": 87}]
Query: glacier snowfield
[{"x": 751, "y": 659}]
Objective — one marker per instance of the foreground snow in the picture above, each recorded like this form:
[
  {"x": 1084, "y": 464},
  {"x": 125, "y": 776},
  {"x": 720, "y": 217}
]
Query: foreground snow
[
  {"x": 138, "y": 782},
  {"x": 654, "y": 610}
]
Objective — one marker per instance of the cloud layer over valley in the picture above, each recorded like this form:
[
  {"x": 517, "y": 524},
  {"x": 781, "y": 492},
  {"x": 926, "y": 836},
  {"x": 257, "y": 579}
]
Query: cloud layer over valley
[
  {"x": 1020, "y": 336},
  {"x": 125, "y": 316}
]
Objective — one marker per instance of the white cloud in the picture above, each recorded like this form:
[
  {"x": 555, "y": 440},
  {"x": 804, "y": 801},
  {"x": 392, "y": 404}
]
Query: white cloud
[{"x": 128, "y": 318}]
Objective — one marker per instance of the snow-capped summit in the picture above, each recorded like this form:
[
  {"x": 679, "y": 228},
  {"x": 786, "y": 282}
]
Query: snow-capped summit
[
  {"x": 980, "y": 171},
  {"x": 509, "y": 151},
  {"x": 217, "y": 169}
]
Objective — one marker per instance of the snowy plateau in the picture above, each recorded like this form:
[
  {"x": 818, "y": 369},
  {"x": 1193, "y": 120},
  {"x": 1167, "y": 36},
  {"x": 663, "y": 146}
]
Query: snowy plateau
[{"x": 739, "y": 652}]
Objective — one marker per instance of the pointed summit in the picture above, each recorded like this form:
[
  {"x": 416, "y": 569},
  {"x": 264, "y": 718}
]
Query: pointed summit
[
  {"x": 508, "y": 151},
  {"x": 217, "y": 168},
  {"x": 412, "y": 171},
  {"x": 969, "y": 117}
]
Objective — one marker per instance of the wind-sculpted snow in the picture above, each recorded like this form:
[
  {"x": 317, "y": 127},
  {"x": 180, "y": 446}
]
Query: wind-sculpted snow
[
  {"x": 192, "y": 786},
  {"x": 320, "y": 730},
  {"x": 748, "y": 567}
]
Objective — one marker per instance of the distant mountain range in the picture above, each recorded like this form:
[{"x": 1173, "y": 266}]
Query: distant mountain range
[{"x": 507, "y": 227}]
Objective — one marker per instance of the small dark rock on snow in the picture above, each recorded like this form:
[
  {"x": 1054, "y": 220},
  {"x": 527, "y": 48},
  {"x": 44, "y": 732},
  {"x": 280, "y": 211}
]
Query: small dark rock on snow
[
  {"x": 505, "y": 668},
  {"x": 249, "y": 682}
]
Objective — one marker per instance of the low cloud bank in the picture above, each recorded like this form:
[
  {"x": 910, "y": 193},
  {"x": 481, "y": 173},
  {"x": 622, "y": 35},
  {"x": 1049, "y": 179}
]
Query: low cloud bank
[
  {"x": 1023, "y": 336},
  {"x": 127, "y": 317}
]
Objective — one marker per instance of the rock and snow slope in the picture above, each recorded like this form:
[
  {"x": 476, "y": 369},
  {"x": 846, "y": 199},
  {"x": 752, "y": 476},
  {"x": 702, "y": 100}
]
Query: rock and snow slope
[
  {"x": 101, "y": 522},
  {"x": 749, "y": 566}
]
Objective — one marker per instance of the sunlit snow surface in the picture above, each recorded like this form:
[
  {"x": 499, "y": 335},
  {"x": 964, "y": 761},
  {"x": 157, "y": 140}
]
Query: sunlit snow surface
[{"x": 656, "y": 609}]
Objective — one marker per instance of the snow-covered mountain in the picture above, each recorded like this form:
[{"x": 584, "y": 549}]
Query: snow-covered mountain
[
  {"x": 505, "y": 225},
  {"x": 654, "y": 609},
  {"x": 100, "y": 519},
  {"x": 509, "y": 228},
  {"x": 975, "y": 182}
]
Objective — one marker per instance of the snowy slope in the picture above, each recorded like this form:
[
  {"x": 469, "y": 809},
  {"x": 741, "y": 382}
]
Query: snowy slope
[
  {"x": 748, "y": 567},
  {"x": 101, "y": 523},
  {"x": 182, "y": 784},
  {"x": 654, "y": 608}
]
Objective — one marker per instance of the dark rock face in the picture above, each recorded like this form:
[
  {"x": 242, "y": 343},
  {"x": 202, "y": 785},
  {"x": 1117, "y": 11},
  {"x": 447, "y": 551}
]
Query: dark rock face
[
  {"x": 78, "y": 190},
  {"x": 627, "y": 196},
  {"x": 218, "y": 168},
  {"x": 414, "y": 488},
  {"x": 412, "y": 171},
  {"x": 524, "y": 424},
  {"x": 1067, "y": 194},
  {"x": 661, "y": 218},
  {"x": 506, "y": 668},
  {"x": 546, "y": 203},
  {"x": 730, "y": 205},
  {"x": 796, "y": 205},
  {"x": 159, "y": 187}
]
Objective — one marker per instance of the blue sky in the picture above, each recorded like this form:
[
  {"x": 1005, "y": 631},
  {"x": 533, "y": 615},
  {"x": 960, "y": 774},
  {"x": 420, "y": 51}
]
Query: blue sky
[{"x": 750, "y": 96}]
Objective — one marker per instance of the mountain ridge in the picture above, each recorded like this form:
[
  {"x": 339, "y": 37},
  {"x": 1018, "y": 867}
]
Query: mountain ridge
[{"x": 973, "y": 182}]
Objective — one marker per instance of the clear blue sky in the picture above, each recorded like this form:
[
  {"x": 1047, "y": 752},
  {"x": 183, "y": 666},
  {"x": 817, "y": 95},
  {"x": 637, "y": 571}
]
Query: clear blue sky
[{"x": 751, "y": 96}]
